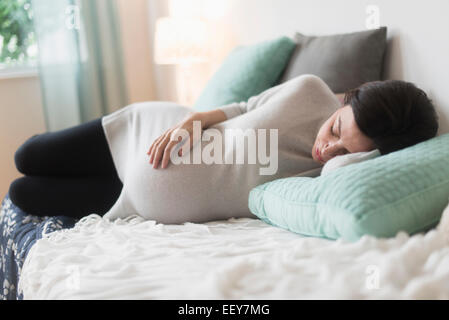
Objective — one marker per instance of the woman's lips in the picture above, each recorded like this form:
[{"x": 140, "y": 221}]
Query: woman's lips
[{"x": 319, "y": 155}]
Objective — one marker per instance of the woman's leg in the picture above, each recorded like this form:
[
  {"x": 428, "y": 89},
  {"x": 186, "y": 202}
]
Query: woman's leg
[
  {"x": 69, "y": 172},
  {"x": 79, "y": 150},
  {"x": 75, "y": 197}
]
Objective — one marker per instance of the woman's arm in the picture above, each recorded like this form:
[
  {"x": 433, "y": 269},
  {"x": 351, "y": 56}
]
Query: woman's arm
[
  {"x": 159, "y": 151},
  {"x": 162, "y": 146},
  {"x": 238, "y": 108},
  {"x": 209, "y": 118}
]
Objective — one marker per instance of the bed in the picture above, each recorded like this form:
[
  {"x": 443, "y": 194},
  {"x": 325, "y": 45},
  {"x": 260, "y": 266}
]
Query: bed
[
  {"x": 234, "y": 259},
  {"x": 19, "y": 231}
]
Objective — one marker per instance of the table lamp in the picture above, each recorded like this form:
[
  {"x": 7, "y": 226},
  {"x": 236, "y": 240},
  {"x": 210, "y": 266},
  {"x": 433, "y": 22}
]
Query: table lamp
[{"x": 182, "y": 42}]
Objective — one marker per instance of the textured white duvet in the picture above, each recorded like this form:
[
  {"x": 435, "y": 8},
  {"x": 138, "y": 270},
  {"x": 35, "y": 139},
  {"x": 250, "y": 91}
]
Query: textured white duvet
[{"x": 235, "y": 259}]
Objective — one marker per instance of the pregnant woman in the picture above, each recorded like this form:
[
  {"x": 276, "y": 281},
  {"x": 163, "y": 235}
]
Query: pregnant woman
[{"x": 119, "y": 165}]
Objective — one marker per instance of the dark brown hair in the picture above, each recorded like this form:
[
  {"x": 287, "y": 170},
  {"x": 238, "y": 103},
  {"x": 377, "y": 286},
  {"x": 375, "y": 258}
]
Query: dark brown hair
[{"x": 394, "y": 114}]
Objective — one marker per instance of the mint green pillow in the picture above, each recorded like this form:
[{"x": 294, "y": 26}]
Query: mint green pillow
[
  {"x": 405, "y": 190},
  {"x": 246, "y": 72}
]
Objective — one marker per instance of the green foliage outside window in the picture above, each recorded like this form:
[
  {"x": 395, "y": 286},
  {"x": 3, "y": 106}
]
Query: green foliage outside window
[{"x": 17, "y": 39}]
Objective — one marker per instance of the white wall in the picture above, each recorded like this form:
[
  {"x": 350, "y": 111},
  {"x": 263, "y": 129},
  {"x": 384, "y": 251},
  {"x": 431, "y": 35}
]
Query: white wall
[
  {"x": 21, "y": 116},
  {"x": 137, "y": 53},
  {"x": 418, "y": 33}
]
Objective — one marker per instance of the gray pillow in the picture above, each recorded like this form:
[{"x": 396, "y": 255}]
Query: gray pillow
[{"x": 343, "y": 61}]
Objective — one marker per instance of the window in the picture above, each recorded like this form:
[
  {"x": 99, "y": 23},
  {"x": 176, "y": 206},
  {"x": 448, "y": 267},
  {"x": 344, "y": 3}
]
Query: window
[{"x": 18, "y": 47}]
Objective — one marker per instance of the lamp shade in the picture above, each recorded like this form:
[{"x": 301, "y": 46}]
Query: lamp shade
[{"x": 181, "y": 41}]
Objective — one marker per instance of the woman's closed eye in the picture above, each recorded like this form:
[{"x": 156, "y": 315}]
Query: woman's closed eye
[
  {"x": 338, "y": 123},
  {"x": 341, "y": 151},
  {"x": 333, "y": 132}
]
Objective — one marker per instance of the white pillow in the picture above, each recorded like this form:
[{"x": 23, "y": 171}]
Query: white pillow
[{"x": 344, "y": 160}]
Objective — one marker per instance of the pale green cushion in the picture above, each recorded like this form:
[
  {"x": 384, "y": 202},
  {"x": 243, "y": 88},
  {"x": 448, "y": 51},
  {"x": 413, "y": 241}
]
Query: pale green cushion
[
  {"x": 405, "y": 190},
  {"x": 246, "y": 72}
]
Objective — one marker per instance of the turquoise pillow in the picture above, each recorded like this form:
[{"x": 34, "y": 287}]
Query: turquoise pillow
[
  {"x": 405, "y": 190},
  {"x": 246, "y": 72}
]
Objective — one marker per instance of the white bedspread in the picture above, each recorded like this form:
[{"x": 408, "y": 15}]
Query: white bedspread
[{"x": 235, "y": 259}]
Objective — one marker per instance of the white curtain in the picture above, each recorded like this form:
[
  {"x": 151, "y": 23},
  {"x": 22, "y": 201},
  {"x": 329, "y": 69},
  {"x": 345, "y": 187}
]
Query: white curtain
[{"x": 80, "y": 60}]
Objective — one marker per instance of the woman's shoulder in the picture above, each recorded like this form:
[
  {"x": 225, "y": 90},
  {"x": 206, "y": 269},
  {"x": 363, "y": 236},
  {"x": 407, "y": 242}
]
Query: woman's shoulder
[
  {"x": 309, "y": 88},
  {"x": 309, "y": 81}
]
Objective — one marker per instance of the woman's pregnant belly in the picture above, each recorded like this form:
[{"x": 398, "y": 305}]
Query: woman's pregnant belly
[
  {"x": 179, "y": 193},
  {"x": 186, "y": 193}
]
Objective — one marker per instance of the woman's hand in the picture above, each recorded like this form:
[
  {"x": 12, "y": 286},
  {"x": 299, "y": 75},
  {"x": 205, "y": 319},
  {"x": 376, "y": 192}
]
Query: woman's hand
[{"x": 162, "y": 146}]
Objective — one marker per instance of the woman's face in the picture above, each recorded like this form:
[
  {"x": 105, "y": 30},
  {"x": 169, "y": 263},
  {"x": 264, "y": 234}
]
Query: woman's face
[{"x": 340, "y": 135}]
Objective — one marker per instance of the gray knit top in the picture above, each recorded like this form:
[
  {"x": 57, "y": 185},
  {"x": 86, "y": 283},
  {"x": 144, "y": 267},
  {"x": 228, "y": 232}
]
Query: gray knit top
[{"x": 201, "y": 192}]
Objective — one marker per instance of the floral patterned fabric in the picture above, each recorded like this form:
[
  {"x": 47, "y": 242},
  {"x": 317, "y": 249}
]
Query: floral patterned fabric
[{"x": 18, "y": 232}]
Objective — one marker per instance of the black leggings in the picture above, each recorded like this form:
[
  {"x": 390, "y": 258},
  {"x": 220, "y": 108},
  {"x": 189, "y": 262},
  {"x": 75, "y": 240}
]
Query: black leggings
[{"x": 68, "y": 172}]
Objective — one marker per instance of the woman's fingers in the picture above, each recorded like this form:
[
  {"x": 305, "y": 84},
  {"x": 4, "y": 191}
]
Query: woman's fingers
[
  {"x": 157, "y": 154},
  {"x": 156, "y": 145},
  {"x": 155, "y": 142},
  {"x": 161, "y": 148},
  {"x": 151, "y": 152},
  {"x": 159, "y": 151},
  {"x": 167, "y": 152},
  {"x": 153, "y": 147}
]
